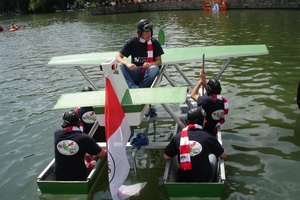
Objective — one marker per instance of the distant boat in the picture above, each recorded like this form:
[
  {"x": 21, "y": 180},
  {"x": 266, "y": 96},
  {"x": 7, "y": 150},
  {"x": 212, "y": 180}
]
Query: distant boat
[
  {"x": 215, "y": 5},
  {"x": 13, "y": 28}
]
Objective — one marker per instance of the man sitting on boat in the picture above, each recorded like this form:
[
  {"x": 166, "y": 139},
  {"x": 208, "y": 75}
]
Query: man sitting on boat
[
  {"x": 87, "y": 117},
  {"x": 145, "y": 52},
  {"x": 214, "y": 104},
  {"x": 70, "y": 147},
  {"x": 197, "y": 149}
]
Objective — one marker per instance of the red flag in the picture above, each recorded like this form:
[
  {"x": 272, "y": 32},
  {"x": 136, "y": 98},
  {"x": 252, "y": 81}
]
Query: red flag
[{"x": 117, "y": 135}]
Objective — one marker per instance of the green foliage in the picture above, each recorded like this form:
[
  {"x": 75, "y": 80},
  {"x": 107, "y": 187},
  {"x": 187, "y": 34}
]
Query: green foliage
[
  {"x": 5, "y": 5},
  {"x": 36, "y": 5},
  {"x": 22, "y": 5},
  {"x": 41, "y": 6}
]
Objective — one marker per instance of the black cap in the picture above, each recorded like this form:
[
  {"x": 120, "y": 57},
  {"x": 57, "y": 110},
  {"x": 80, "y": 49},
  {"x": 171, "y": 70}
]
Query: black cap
[
  {"x": 214, "y": 87},
  {"x": 196, "y": 116},
  {"x": 70, "y": 118}
]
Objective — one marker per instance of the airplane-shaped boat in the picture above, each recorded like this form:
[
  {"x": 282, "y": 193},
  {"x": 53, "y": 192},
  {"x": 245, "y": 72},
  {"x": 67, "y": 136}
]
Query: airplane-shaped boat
[{"x": 135, "y": 103}]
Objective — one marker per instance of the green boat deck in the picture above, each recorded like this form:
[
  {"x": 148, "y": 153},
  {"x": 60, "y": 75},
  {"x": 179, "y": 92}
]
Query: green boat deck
[{"x": 171, "y": 55}]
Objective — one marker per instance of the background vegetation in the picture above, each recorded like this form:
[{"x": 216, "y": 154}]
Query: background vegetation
[{"x": 10, "y": 7}]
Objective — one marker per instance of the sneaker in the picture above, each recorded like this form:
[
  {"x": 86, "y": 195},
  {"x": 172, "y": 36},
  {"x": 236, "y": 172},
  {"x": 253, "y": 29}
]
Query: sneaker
[{"x": 151, "y": 112}]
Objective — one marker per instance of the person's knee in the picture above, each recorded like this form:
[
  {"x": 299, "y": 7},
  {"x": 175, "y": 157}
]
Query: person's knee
[
  {"x": 153, "y": 71},
  {"x": 121, "y": 66},
  {"x": 133, "y": 86},
  {"x": 213, "y": 163}
]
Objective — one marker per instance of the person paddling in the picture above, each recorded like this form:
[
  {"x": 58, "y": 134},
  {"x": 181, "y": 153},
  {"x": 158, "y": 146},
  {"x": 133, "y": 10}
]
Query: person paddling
[
  {"x": 13, "y": 27},
  {"x": 197, "y": 150},
  {"x": 214, "y": 104}
]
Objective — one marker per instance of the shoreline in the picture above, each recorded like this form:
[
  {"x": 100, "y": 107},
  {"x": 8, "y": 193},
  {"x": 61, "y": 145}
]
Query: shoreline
[{"x": 191, "y": 5}]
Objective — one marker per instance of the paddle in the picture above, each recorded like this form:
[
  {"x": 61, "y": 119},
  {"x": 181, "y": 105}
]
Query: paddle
[
  {"x": 161, "y": 37},
  {"x": 298, "y": 96}
]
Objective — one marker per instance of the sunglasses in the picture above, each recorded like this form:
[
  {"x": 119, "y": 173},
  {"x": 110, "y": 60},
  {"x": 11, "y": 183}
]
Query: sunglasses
[{"x": 147, "y": 27}]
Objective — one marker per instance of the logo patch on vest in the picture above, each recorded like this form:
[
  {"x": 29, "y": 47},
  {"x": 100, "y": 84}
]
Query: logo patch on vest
[
  {"x": 195, "y": 148},
  {"x": 217, "y": 115},
  {"x": 89, "y": 117},
  {"x": 67, "y": 147}
]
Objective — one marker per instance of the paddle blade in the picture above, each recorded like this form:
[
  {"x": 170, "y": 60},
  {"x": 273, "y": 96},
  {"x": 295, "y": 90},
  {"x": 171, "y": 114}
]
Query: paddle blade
[{"x": 161, "y": 37}]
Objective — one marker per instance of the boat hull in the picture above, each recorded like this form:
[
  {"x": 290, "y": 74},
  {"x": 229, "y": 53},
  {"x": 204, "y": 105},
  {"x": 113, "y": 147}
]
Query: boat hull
[
  {"x": 208, "y": 5},
  {"x": 197, "y": 190},
  {"x": 49, "y": 185}
]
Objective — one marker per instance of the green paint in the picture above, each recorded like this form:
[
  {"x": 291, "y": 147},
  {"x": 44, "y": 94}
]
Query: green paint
[
  {"x": 204, "y": 190},
  {"x": 133, "y": 100},
  {"x": 127, "y": 109},
  {"x": 171, "y": 55},
  {"x": 71, "y": 187},
  {"x": 81, "y": 99},
  {"x": 157, "y": 95}
]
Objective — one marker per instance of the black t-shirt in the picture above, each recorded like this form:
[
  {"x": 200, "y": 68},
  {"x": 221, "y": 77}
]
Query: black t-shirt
[
  {"x": 138, "y": 50},
  {"x": 70, "y": 148},
  {"x": 202, "y": 143},
  {"x": 212, "y": 108},
  {"x": 87, "y": 116}
]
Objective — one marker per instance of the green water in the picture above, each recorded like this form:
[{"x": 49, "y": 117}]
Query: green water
[{"x": 261, "y": 134}]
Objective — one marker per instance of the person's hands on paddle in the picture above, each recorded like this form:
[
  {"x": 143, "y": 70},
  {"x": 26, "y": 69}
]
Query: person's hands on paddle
[
  {"x": 202, "y": 75},
  {"x": 202, "y": 82},
  {"x": 203, "y": 79}
]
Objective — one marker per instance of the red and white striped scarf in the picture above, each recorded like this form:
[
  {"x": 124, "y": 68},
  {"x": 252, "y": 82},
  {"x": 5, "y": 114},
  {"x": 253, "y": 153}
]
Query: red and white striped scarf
[
  {"x": 184, "y": 148},
  {"x": 80, "y": 122},
  {"x": 149, "y": 54},
  {"x": 72, "y": 128},
  {"x": 226, "y": 109}
]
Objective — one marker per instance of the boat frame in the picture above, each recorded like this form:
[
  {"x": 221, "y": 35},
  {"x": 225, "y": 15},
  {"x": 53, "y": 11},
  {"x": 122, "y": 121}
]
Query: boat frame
[
  {"x": 174, "y": 57},
  {"x": 48, "y": 184}
]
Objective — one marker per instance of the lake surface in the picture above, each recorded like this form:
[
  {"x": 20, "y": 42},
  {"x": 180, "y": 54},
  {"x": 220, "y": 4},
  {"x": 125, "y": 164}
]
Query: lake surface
[{"x": 261, "y": 134}]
